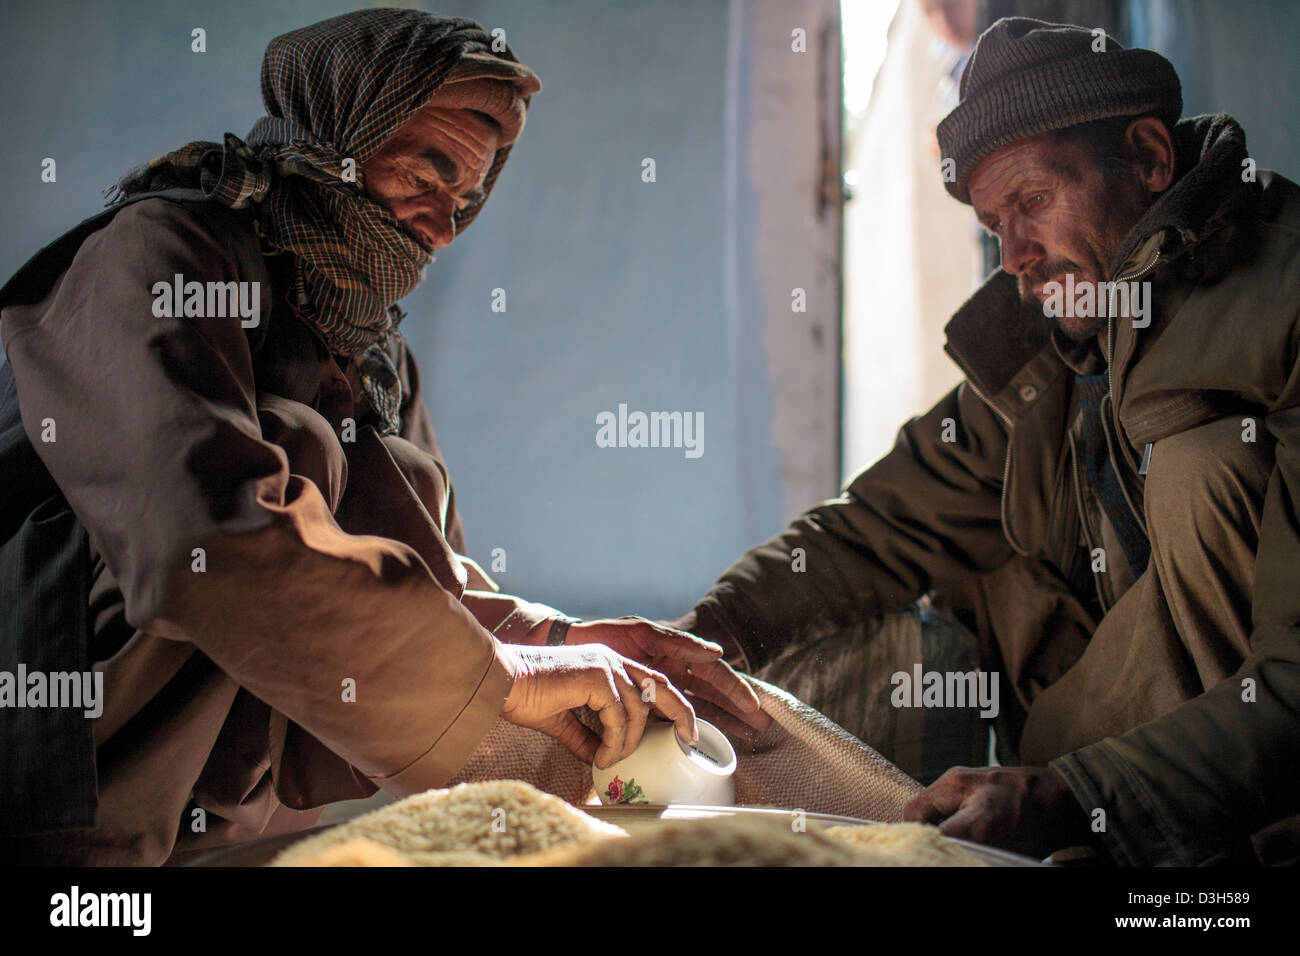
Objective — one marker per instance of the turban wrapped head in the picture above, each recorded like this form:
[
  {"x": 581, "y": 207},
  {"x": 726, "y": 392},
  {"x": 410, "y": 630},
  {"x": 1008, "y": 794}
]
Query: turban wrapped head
[{"x": 335, "y": 92}]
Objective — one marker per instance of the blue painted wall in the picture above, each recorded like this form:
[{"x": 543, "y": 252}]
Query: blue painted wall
[{"x": 1236, "y": 58}]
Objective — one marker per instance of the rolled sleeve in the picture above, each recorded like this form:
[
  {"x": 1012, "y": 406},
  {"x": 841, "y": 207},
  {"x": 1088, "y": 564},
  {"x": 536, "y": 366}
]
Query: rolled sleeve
[{"x": 449, "y": 752}]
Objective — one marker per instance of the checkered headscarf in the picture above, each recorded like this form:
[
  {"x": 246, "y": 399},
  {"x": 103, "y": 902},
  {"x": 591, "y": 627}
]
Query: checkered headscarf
[{"x": 334, "y": 91}]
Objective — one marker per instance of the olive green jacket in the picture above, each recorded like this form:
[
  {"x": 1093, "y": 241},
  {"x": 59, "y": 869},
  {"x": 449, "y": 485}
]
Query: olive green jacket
[{"x": 1223, "y": 255}]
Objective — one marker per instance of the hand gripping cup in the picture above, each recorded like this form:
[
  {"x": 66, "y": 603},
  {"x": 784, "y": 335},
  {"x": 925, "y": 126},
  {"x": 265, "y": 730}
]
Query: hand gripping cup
[{"x": 665, "y": 770}]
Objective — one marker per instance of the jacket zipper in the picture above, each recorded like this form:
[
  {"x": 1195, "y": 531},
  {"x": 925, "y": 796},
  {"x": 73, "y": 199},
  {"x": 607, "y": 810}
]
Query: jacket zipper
[
  {"x": 1113, "y": 414},
  {"x": 1083, "y": 523},
  {"x": 1110, "y": 335},
  {"x": 1110, "y": 364},
  {"x": 1006, "y": 469}
]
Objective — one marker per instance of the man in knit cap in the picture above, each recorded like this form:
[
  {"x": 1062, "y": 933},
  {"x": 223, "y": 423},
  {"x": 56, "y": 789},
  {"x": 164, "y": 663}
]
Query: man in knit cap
[
  {"x": 239, "y": 516},
  {"x": 1108, "y": 500}
]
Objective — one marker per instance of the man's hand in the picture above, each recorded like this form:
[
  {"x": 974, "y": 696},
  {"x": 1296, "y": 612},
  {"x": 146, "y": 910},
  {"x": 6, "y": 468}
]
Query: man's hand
[
  {"x": 693, "y": 664},
  {"x": 1029, "y": 810},
  {"x": 551, "y": 681}
]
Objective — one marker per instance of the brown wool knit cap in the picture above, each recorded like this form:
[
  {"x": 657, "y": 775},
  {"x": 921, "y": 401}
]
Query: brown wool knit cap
[{"x": 1027, "y": 77}]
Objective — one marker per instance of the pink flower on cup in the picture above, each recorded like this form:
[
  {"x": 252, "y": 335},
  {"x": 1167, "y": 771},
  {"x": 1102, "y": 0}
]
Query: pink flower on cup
[{"x": 620, "y": 792}]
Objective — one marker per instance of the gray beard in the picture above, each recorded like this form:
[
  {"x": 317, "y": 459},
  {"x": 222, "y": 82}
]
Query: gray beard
[
  {"x": 1033, "y": 312},
  {"x": 1082, "y": 333}
]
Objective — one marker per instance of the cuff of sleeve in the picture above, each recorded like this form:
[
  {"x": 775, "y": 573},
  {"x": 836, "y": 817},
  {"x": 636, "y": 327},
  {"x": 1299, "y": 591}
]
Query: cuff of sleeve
[
  {"x": 452, "y": 750},
  {"x": 1134, "y": 834},
  {"x": 518, "y": 623}
]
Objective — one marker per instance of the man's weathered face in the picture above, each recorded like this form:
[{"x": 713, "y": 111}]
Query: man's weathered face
[
  {"x": 1053, "y": 214},
  {"x": 432, "y": 167}
]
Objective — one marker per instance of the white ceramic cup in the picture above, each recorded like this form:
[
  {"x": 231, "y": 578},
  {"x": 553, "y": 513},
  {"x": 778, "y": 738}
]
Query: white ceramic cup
[{"x": 665, "y": 770}]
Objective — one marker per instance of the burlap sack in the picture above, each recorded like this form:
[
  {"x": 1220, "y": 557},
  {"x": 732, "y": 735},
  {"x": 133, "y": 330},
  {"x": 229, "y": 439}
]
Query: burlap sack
[{"x": 802, "y": 762}]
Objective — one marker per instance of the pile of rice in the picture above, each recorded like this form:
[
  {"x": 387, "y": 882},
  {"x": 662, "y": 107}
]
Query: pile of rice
[{"x": 510, "y": 823}]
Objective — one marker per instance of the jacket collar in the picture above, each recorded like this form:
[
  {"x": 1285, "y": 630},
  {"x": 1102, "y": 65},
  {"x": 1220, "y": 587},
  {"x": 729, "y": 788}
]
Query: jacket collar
[
  {"x": 994, "y": 335},
  {"x": 1208, "y": 190}
]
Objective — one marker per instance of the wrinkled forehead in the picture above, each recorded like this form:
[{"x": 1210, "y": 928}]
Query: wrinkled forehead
[
  {"x": 1000, "y": 172},
  {"x": 468, "y": 130}
]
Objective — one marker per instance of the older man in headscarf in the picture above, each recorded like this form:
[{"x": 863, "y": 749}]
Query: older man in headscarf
[{"x": 243, "y": 518}]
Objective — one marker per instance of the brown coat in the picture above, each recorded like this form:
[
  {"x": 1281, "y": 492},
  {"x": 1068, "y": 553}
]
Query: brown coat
[{"x": 325, "y": 563}]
